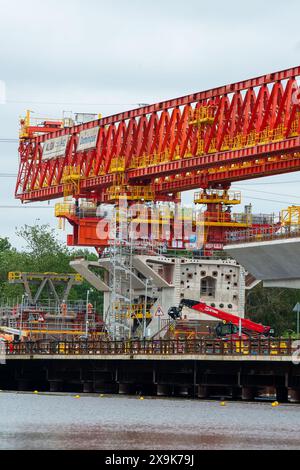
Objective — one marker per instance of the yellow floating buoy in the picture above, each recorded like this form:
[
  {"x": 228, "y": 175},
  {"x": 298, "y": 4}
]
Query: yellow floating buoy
[
  {"x": 275, "y": 403},
  {"x": 223, "y": 403},
  {"x": 77, "y": 396},
  {"x": 101, "y": 396},
  {"x": 141, "y": 398},
  {"x": 35, "y": 392}
]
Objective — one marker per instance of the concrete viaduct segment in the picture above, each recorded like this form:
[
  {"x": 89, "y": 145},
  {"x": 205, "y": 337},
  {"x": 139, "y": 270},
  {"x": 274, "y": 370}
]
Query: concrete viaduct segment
[{"x": 275, "y": 262}]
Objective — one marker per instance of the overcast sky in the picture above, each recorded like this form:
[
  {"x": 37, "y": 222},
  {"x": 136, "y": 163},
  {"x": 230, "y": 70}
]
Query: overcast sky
[{"x": 107, "y": 56}]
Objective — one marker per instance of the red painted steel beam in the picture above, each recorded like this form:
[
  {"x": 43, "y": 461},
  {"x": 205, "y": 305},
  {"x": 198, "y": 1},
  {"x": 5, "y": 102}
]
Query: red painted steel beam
[
  {"x": 205, "y": 180},
  {"x": 186, "y": 165},
  {"x": 182, "y": 101},
  {"x": 173, "y": 132},
  {"x": 209, "y": 161}
]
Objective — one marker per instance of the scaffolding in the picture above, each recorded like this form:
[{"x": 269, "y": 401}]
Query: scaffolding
[
  {"x": 45, "y": 310},
  {"x": 127, "y": 315}
]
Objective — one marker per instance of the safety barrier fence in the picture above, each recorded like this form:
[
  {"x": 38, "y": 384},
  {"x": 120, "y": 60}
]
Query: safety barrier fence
[
  {"x": 205, "y": 346},
  {"x": 260, "y": 235}
]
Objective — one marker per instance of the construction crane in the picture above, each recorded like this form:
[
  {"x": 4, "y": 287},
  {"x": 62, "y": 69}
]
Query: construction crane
[
  {"x": 231, "y": 326},
  {"x": 205, "y": 140}
]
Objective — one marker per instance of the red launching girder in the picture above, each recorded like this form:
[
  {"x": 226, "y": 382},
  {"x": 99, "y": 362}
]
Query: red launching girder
[{"x": 240, "y": 131}]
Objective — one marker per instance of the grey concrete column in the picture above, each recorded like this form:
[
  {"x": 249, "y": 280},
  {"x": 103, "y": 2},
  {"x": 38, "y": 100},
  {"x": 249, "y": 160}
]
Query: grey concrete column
[
  {"x": 23, "y": 385},
  {"x": 282, "y": 394},
  {"x": 235, "y": 393},
  {"x": 162, "y": 390},
  {"x": 105, "y": 387},
  {"x": 294, "y": 395},
  {"x": 54, "y": 386},
  {"x": 248, "y": 393},
  {"x": 183, "y": 390},
  {"x": 87, "y": 387},
  {"x": 203, "y": 391},
  {"x": 125, "y": 389}
]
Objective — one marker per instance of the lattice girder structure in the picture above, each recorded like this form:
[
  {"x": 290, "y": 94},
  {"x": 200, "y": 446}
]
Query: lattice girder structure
[{"x": 208, "y": 139}]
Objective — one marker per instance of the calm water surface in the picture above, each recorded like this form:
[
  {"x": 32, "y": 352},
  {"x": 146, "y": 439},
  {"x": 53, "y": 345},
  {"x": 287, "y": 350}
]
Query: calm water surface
[{"x": 30, "y": 421}]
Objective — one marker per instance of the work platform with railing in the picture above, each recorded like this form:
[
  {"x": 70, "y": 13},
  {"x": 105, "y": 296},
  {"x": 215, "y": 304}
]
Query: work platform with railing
[
  {"x": 252, "y": 349},
  {"x": 200, "y": 368}
]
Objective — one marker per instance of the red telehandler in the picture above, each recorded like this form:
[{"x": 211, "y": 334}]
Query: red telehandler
[{"x": 230, "y": 327}]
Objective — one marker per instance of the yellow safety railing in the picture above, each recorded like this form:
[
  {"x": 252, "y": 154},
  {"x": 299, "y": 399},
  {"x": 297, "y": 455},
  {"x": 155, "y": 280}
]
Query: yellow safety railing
[
  {"x": 138, "y": 311},
  {"x": 226, "y": 220},
  {"x": 290, "y": 216},
  {"x": 117, "y": 165},
  {"x": 18, "y": 276},
  {"x": 295, "y": 125},
  {"x": 237, "y": 142},
  {"x": 71, "y": 173},
  {"x": 28, "y": 122},
  {"x": 218, "y": 196},
  {"x": 131, "y": 193},
  {"x": 25, "y": 124},
  {"x": 149, "y": 160},
  {"x": 64, "y": 209},
  {"x": 71, "y": 179},
  {"x": 213, "y": 146},
  {"x": 15, "y": 276},
  {"x": 202, "y": 116}
]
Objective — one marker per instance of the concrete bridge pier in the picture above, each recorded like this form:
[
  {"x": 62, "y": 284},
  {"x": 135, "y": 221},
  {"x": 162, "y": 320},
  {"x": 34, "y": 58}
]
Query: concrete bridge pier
[
  {"x": 203, "y": 391},
  {"x": 103, "y": 387},
  {"x": 182, "y": 390},
  {"x": 87, "y": 387},
  {"x": 125, "y": 389},
  {"x": 282, "y": 394},
  {"x": 235, "y": 393},
  {"x": 294, "y": 395},
  {"x": 248, "y": 393},
  {"x": 54, "y": 386},
  {"x": 163, "y": 390},
  {"x": 24, "y": 385}
]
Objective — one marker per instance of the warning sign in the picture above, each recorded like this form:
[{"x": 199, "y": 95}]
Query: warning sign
[{"x": 159, "y": 312}]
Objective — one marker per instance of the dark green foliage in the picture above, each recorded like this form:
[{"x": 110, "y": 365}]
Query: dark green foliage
[{"x": 273, "y": 307}]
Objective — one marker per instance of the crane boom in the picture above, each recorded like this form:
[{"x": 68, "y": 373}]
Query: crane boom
[{"x": 247, "y": 325}]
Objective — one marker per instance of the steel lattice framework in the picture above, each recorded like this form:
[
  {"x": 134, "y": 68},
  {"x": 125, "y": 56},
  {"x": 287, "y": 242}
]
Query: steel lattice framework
[{"x": 209, "y": 139}]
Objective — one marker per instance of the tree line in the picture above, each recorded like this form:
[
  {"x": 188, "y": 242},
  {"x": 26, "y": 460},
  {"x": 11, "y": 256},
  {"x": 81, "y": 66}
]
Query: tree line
[{"x": 42, "y": 253}]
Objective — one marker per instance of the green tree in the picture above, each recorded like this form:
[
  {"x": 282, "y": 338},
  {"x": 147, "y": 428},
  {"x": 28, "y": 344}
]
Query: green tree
[
  {"x": 43, "y": 252},
  {"x": 4, "y": 245},
  {"x": 273, "y": 307}
]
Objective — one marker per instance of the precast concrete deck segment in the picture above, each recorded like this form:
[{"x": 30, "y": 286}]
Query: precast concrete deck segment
[{"x": 275, "y": 262}]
